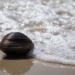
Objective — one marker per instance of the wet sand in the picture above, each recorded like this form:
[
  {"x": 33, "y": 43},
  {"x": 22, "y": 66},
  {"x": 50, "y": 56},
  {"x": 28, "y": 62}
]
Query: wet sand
[{"x": 34, "y": 67}]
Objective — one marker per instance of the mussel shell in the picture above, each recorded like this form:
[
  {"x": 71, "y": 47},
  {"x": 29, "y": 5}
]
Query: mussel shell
[{"x": 16, "y": 43}]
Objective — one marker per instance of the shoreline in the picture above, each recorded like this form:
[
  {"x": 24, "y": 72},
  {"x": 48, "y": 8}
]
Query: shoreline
[
  {"x": 52, "y": 64},
  {"x": 34, "y": 66},
  {"x": 47, "y": 68}
]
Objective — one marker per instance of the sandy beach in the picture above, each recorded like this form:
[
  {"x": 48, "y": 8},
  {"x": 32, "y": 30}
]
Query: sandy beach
[
  {"x": 50, "y": 24},
  {"x": 34, "y": 67}
]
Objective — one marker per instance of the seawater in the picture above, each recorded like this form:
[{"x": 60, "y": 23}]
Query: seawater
[{"x": 50, "y": 24}]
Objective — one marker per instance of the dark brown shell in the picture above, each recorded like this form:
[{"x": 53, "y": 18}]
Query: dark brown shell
[{"x": 16, "y": 43}]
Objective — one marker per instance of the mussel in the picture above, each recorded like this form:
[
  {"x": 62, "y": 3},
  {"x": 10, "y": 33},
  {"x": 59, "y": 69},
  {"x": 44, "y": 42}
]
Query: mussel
[{"x": 16, "y": 43}]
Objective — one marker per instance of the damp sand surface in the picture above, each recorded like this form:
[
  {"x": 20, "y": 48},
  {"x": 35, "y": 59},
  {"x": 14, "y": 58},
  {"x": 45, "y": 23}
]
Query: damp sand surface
[{"x": 34, "y": 67}]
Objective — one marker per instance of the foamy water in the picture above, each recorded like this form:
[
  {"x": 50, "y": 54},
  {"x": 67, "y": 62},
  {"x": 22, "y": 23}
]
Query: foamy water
[{"x": 49, "y": 23}]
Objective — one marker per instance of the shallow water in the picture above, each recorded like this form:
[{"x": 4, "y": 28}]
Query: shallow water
[
  {"x": 34, "y": 67},
  {"x": 50, "y": 24},
  {"x": 15, "y": 67}
]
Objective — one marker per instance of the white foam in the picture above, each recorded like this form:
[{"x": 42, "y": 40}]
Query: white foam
[{"x": 49, "y": 23}]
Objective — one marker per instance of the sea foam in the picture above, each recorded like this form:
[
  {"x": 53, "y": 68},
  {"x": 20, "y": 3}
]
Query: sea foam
[{"x": 49, "y": 23}]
